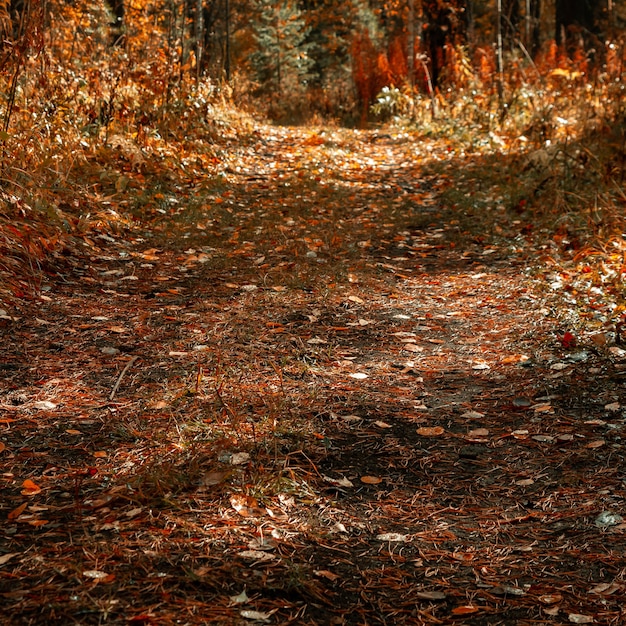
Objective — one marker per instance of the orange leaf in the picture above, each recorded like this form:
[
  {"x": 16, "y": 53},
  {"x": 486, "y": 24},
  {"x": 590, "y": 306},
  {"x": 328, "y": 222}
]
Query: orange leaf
[
  {"x": 15, "y": 513},
  {"x": 465, "y": 610},
  {"x": 595, "y": 444},
  {"x": 430, "y": 431},
  {"x": 30, "y": 488},
  {"x": 371, "y": 480}
]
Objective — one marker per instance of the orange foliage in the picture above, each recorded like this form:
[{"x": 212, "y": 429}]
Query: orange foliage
[
  {"x": 373, "y": 69},
  {"x": 486, "y": 65},
  {"x": 370, "y": 70},
  {"x": 397, "y": 60}
]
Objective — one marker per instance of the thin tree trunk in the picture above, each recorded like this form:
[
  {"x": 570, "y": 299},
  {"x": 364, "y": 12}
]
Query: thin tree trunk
[
  {"x": 199, "y": 37},
  {"x": 499, "y": 56},
  {"x": 227, "y": 46},
  {"x": 411, "y": 46}
]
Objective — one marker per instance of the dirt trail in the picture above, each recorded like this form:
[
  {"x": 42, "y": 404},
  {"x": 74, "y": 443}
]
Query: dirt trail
[{"x": 308, "y": 391}]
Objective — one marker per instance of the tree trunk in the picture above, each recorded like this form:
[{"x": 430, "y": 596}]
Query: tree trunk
[
  {"x": 510, "y": 18},
  {"x": 411, "y": 44},
  {"x": 533, "y": 26}
]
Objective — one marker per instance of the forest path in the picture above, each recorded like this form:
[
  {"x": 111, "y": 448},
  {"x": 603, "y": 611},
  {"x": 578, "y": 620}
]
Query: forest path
[{"x": 310, "y": 390}]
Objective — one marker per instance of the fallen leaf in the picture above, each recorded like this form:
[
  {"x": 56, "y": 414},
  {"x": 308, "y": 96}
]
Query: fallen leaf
[
  {"x": 358, "y": 375},
  {"x": 558, "y": 367},
  {"x": 542, "y": 408},
  {"x": 256, "y": 555},
  {"x": 577, "y": 618},
  {"x": 324, "y": 573},
  {"x": 473, "y": 415},
  {"x": 246, "y": 506},
  {"x": 606, "y": 589},
  {"x": 133, "y": 512},
  {"x": 371, "y": 480},
  {"x": 412, "y": 347},
  {"x": 606, "y": 519},
  {"x": 242, "y": 598},
  {"x": 565, "y": 437},
  {"x": 120, "y": 330},
  {"x": 341, "y": 482},
  {"x": 478, "y": 432},
  {"x": 96, "y": 574},
  {"x": 44, "y": 405},
  {"x": 465, "y": 610},
  {"x": 595, "y": 444},
  {"x": 316, "y": 341},
  {"x": 480, "y": 366},
  {"x": 613, "y": 407},
  {"x": 239, "y": 458},
  {"x": 15, "y": 513},
  {"x": 430, "y": 431},
  {"x": 394, "y": 537},
  {"x": 568, "y": 340},
  {"x": 550, "y": 598},
  {"x": 30, "y": 488},
  {"x": 214, "y": 478},
  {"x": 430, "y": 595},
  {"x": 5, "y": 558},
  {"x": 2, "y": 447},
  {"x": 256, "y": 615},
  {"x": 382, "y": 424},
  {"x": 37, "y": 522}
]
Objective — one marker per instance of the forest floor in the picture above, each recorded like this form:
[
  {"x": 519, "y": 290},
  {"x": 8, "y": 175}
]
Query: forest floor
[{"x": 328, "y": 380}]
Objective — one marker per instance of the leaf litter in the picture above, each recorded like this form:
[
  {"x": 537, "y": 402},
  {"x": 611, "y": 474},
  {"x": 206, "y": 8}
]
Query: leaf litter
[{"x": 479, "y": 484}]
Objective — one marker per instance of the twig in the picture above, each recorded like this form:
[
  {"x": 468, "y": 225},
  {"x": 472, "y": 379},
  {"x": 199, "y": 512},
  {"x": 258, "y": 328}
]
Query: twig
[{"x": 119, "y": 378}]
